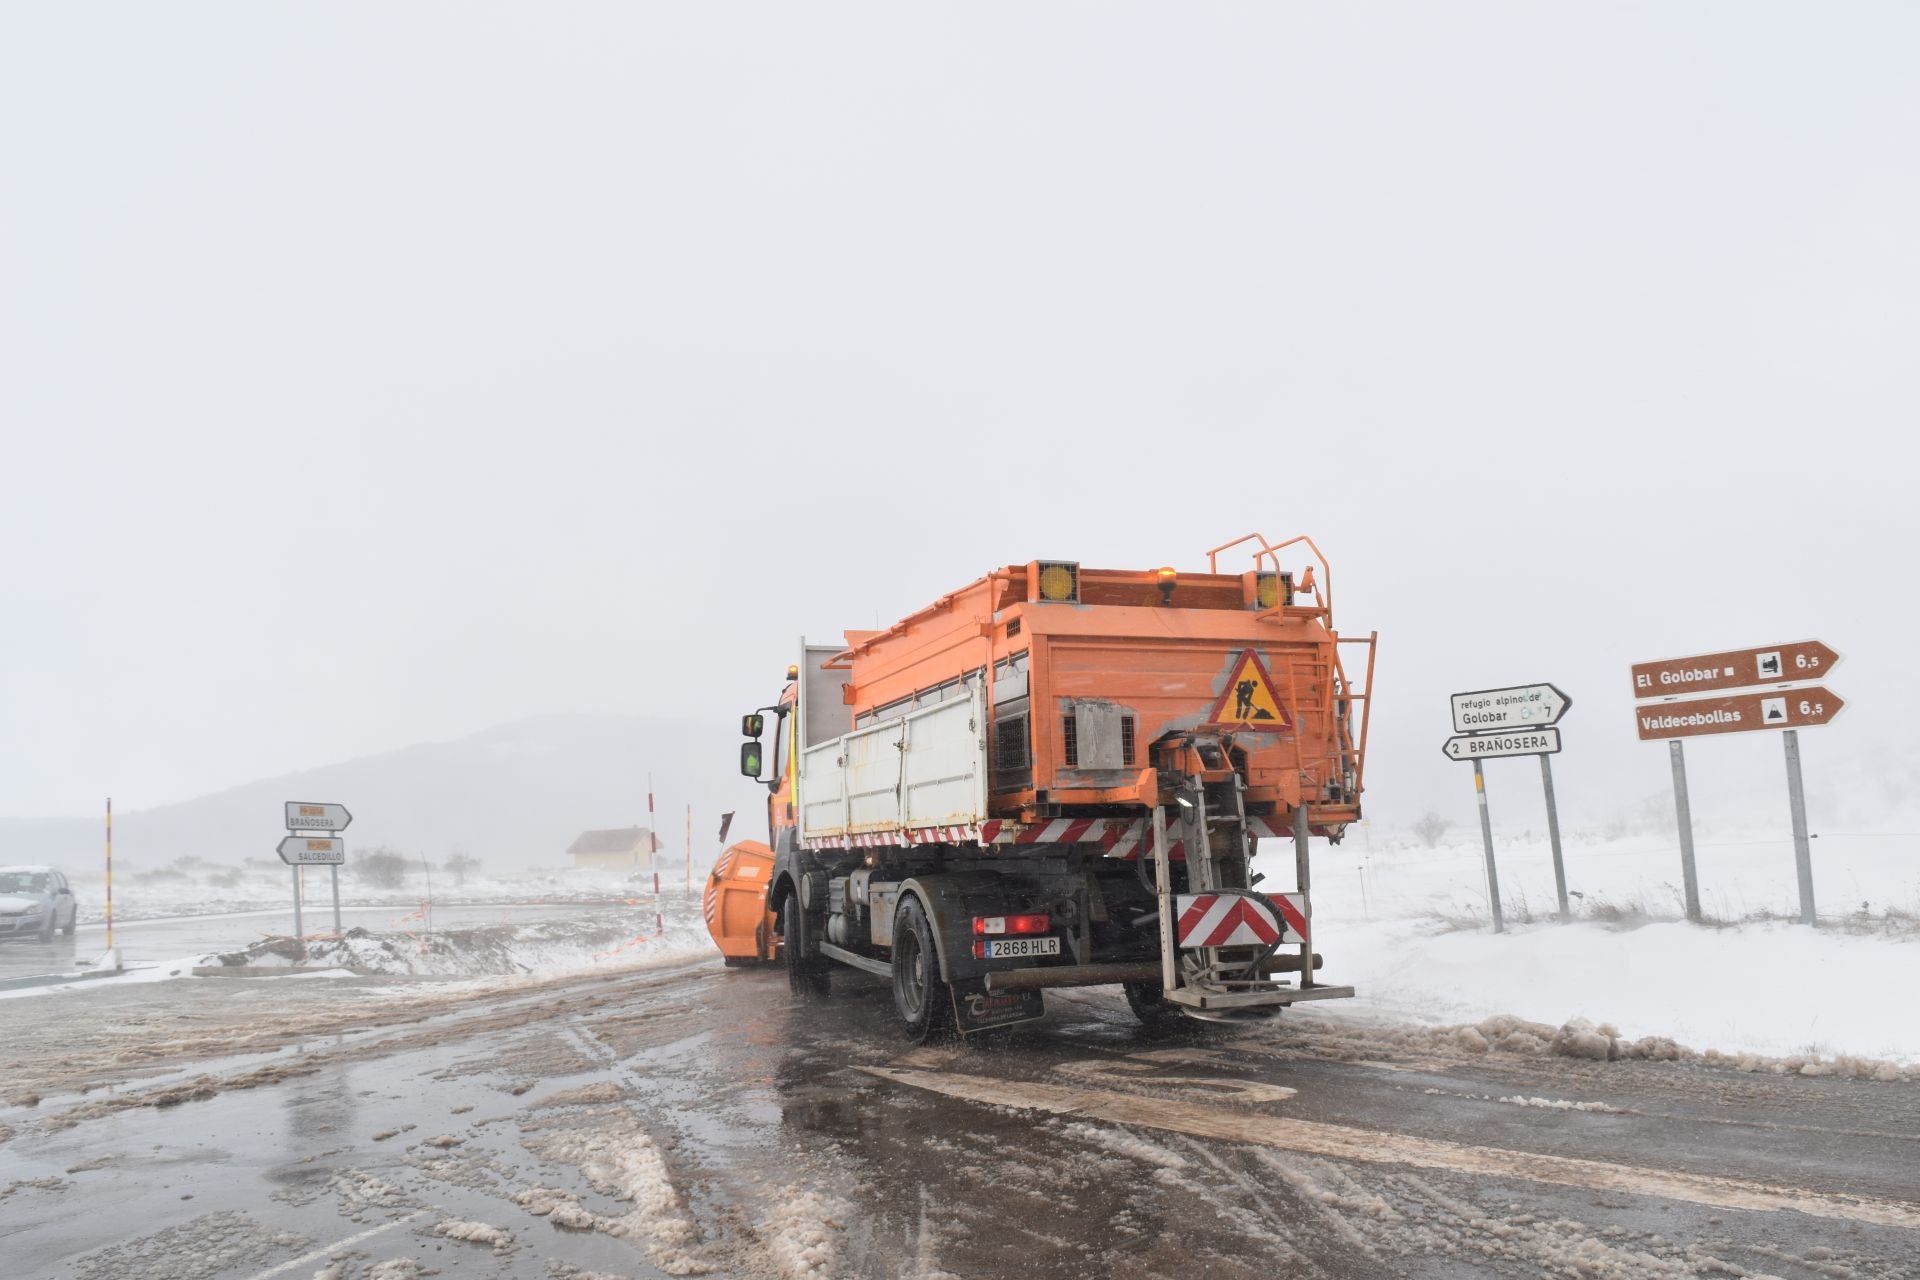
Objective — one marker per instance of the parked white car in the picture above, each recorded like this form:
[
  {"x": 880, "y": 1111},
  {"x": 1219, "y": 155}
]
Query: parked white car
[{"x": 36, "y": 900}]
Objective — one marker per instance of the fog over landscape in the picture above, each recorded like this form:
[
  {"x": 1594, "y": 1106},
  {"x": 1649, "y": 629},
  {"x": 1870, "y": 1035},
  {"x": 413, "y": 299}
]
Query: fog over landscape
[
  {"x": 455, "y": 417},
  {"x": 535, "y": 407}
]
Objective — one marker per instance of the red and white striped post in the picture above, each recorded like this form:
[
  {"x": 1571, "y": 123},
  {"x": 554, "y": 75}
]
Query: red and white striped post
[{"x": 653, "y": 837}]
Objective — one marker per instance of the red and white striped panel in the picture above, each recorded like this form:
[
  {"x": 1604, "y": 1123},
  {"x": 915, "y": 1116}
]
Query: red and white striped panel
[
  {"x": 1134, "y": 843},
  {"x": 878, "y": 839},
  {"x": 1239, "y": 919},
  {"x": 1053, "y": 831}
]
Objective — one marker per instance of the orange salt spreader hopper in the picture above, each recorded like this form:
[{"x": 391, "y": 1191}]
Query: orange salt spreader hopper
[{"x": 735, "y": 904}]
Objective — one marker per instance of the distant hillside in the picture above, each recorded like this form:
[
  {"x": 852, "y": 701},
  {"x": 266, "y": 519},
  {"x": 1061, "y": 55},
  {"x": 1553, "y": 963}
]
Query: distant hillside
[{"x": 514, "y": 795}]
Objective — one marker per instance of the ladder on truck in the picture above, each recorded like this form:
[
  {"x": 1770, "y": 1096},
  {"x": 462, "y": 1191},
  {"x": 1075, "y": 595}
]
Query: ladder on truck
[{"x": 1228, "y": 982}]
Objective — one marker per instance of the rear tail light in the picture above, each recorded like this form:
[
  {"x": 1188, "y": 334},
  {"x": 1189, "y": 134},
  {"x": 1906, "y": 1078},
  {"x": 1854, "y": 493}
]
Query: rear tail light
[{"x": 998, "y": 925}]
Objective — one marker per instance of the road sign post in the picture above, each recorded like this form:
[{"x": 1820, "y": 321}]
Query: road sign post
[
  {"x": 1797, "y": 802},
  {"x": 301, "y": 849},
  {"x": 1491, "y": 724},
  {"x": 1683, "y": 814},
  {"x": 1486, "y": 841},
  {"x": 1553, "y": 836},
  {"x": 1751, "y": 689}
]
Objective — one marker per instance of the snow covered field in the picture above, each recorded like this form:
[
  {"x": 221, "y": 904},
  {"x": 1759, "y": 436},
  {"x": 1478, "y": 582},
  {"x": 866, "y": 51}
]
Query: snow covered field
[
  {"x": 1408, "y": 926},
  {"x": 139, "y": 895}
]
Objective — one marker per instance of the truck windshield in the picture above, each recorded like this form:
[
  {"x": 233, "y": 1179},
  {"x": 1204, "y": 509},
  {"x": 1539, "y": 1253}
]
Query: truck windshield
[{"x": 24, "y": 882}]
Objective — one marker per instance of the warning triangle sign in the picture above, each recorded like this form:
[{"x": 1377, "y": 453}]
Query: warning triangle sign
[{"x": 1249, "y": 700}]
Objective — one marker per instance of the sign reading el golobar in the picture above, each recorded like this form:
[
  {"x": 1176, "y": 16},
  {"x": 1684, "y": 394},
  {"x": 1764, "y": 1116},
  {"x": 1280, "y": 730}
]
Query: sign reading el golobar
[
  {"x": 1739, "y": 668},
  {"x": 1738, "y": 713}
]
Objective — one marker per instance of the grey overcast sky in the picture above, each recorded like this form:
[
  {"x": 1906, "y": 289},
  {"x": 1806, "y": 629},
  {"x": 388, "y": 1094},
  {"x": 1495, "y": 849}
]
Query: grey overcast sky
[{"x": 374, "y": 373}]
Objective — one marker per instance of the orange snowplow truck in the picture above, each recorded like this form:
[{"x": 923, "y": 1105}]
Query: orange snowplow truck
[{"x": 1055, "y": 776}]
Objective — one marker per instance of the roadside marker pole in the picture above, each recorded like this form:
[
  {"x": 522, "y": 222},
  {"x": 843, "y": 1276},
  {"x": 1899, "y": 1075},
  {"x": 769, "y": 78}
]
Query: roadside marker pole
[
  {"x": 336, "y": 900},
  {"x": 1797, "y": 799},
  {"x": 1301, "y": 872},
  {"x": 653, "y": 857},
  {"x": 1553, "y": 837},
  {"x": 1690, "y": 880},
  {"x": 1486, "y": 839},
  {"x": 299, "y": 930},
  {"x": 109, "y": 873}
]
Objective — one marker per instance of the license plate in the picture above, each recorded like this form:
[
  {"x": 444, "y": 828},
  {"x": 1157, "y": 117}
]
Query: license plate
[{"x": 1014, "y": 948}]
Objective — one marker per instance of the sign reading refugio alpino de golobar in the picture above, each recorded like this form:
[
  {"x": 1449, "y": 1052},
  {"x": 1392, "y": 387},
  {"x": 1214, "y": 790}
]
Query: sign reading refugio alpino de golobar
[{"x": 1526, "y": 706}]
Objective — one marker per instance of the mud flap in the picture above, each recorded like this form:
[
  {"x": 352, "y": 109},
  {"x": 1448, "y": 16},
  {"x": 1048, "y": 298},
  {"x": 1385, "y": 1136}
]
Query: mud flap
[{"x": 977, "y": 1009}]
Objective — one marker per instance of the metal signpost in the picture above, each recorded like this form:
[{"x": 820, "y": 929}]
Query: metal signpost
[
  {"x": 303, "y": 849},
  {"x": 1491, "y": 724},
  {"x": 1762, "y": 688}
]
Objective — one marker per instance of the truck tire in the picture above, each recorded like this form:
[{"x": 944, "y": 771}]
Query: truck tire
[
  {"x": 922, "y": 999},
  {"x": 73, "y": 919},
  {"x": 1149, "y": 1003},
  {"x": 808, "y": 976}
]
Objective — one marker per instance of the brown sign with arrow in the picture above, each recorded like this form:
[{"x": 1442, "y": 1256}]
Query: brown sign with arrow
[
  {"x": 1740, "y": 668},
  {"x": 1740, "y": 713}
]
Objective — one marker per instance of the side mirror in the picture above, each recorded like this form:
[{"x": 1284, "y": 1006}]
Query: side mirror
[
  {"x": 750, "y": 758},
  {"x": 752, "y": 726}
]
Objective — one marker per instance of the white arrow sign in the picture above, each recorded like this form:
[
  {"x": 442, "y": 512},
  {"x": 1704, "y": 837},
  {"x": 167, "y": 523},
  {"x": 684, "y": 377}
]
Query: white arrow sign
[
  {"x": 1527, "y": 706},
  {"x": 302, "y": 816},
  {"x": 1502, "y": 742},
  {"x": 312, "y": 851}
]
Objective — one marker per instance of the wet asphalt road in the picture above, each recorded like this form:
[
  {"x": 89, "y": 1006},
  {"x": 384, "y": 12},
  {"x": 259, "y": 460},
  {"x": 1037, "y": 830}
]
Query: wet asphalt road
[{"x": 696, "y": 1120}]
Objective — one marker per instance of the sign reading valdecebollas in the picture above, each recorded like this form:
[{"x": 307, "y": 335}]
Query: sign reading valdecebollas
[
  {"x": 1735, "y": 669},
  {"x": 1739, "y": 713}
]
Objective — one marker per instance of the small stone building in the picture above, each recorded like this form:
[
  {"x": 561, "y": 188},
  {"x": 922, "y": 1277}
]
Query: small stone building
[{"x": 621, "y": 849}]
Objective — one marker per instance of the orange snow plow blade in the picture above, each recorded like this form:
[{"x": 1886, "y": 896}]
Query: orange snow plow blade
[{"x": 735, "y": 903}]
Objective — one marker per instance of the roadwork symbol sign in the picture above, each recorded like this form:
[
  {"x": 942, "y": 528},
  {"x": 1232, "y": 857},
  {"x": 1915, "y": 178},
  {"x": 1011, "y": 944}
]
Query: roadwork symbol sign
[{"x": 1249, "y": 700}]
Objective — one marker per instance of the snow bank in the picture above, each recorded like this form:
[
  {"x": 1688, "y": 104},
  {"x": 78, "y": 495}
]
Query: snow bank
[
  {"x": 537, "y": 948},
  {"x": 1406, "y": 926}
]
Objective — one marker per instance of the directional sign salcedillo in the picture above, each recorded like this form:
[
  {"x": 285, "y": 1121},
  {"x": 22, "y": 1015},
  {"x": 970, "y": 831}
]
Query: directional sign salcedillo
[
  {"x": 1527, "y": 706},
  {"x": 313, "y": 851}
]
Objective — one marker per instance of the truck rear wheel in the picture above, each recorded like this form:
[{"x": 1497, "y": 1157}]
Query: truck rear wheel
[
  {"x": 1150, "y": 1004},
  {"x": 807, "y": 974},
  {"x": 923, "y": 1000}
]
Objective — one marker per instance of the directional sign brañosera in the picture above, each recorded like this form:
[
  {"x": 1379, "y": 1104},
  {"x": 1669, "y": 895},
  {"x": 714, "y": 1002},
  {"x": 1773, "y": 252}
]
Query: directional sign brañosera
[
  {"x": 313, "y": 851},
  {"x": 1527, "y": 706},
  {"x": 1735, "y": 669},
  {"x": 302, "y": 816},
  {"x": 1738, "y": 713},
  {"x": 1504, "y": 742}
]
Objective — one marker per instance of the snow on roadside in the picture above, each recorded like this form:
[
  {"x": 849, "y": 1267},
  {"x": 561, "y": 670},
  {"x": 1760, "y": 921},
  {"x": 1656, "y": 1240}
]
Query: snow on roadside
[
  {"x": 539, "y": 948},
  {"x": 1400, "y": 925},
  {"x": 223, "y": 891}
]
